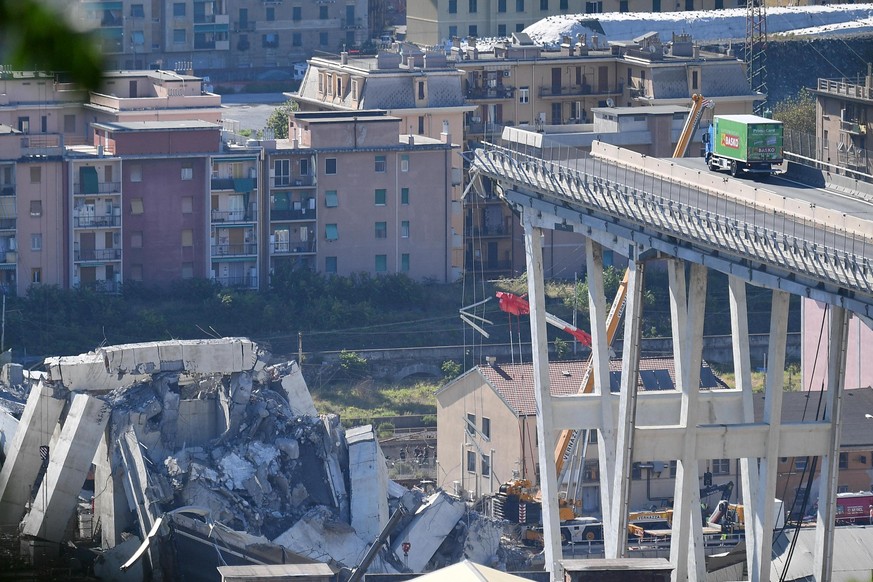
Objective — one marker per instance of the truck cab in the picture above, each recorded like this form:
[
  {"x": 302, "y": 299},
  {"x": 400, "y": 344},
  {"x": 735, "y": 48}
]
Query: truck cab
[{"x": 744, "y": 145}]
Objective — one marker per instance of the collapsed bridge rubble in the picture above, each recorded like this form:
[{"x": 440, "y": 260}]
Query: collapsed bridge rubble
[{"x": 203, "y": 453}]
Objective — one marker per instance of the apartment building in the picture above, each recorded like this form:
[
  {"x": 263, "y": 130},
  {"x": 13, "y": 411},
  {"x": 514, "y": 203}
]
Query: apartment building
[
  {"x": 350, "y": 192},
  {"x": 239, "y": 36},
  {"x": 423, "y": 89},
  {"x": 438, "y": 21}
]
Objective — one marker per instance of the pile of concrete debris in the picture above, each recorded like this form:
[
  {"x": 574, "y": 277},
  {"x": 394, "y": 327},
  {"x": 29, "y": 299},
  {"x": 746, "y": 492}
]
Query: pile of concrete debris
[{"x": 204, "y": 453}]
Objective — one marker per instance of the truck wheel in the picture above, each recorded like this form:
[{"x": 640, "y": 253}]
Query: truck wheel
[
  {"x": 734, "y": 169},
  {"x": 711, "y": 164}
]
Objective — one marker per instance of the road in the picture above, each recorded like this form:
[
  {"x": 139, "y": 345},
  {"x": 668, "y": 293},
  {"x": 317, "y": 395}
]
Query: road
[{"x": 251, "y": 110}]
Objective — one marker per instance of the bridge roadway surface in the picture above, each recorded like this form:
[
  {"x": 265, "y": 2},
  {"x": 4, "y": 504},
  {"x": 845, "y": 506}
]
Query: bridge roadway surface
[{"x": 775, "y": 234}]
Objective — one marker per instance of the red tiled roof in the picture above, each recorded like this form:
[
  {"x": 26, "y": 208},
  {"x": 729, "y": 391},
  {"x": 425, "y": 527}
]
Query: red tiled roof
[{"x": 515, "y": 383}]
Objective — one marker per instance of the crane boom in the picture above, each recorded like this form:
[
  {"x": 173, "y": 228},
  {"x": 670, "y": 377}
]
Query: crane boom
[{"x": 698, "y": 104}]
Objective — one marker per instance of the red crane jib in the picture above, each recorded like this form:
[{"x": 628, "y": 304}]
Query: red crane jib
[{"x": 515, "y": 305}]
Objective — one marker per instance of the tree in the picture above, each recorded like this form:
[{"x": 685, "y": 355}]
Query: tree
[
  {"x": 797, "y": 112},
  {"x": 278, "y": 120},
  {"x": 35, "y": 36}
]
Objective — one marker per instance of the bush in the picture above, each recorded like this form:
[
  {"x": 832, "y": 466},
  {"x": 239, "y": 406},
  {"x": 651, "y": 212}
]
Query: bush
[
  {"x": 385, "y": 430},
  {"x": 352, "y": 365},
  {"x": 451, "y": 370}
]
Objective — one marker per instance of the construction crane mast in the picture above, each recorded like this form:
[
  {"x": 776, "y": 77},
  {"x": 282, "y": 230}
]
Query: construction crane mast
[{"x": 756, "y": 49}]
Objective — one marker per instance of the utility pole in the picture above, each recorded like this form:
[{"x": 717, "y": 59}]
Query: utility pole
[{"x": 299, "y": 347}]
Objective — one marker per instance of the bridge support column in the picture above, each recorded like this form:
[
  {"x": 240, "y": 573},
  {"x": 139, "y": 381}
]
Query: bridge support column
[
  {"x": 686, "y": 547},
  {"x": 600, "y": 369},
  {"x": 542, "y": 391},
  {"x": 763, "y": 520},
  {"x": 627, "y": 407},
  {"x": 743, "y": 379},
  {"x": 827, "y": 493}
]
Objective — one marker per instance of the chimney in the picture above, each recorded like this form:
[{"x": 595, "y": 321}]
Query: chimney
[
  {"x": 868, "y": 82},
  {"x": 344, "y": 58},
  {"x": 491, "y": 360},
  {"x": 445, "y": 135}
]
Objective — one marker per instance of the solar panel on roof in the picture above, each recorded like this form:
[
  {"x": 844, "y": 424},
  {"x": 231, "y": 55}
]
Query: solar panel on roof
[
  {"x": 665, "y": 382},
  {"x": 707, "y": 378},
  {"x": 650, "y": 381},
  {"x": 615, "y": 381}
]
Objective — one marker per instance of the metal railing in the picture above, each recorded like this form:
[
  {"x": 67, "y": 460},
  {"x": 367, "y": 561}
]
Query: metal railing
[
  {"x": 234, "y": 216},
  {"x": 302, "y": 214},
  {"x": 822, "y": 251},
  {"x": 281, "y": 248},
  {"x": 230, "y": 250},
  {"x": 97, "y": 255},
  {"x": 91, "y": 221},
  {"x": 102, "y": 188},
  {"x": 243, "y": 282}
]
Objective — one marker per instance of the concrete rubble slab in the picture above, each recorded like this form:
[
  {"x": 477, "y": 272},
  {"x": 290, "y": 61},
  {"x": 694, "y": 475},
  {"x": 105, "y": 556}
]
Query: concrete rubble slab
[
  {"x": 433, "y": 522},
  {"x": 69, "y": 464},
  {"x": 368, "y": 481},
  {"x": 23, "y": 460},
  {"x": 210, "y": 356},
  {"x": 299, "y": 397},
  {"x": 87, "y": 373}
]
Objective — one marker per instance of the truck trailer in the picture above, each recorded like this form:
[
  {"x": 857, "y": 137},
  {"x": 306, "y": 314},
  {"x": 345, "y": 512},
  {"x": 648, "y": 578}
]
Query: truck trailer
[{"x": 744, "y": 144}]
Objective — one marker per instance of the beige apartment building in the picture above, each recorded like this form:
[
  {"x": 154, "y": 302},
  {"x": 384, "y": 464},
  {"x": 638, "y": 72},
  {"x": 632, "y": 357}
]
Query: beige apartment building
[
  {"x": 219, "y": 34},
  {"x": 432, "y": 22}
]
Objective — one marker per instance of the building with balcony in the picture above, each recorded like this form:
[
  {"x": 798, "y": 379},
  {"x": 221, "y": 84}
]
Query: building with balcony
[
  {"x": 423, "y": 89},
  {"x": 233, "y": 219},
  {"x": 213, "y": 35},
  {"x": 844, "y": 111},
  {"x": 350, "y": 193}
]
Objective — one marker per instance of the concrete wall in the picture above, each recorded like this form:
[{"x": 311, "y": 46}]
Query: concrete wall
[{"x": 816, "y": 338}]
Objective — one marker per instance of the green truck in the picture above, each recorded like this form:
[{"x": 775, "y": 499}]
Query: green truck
[{"x": 744, "y": 144}]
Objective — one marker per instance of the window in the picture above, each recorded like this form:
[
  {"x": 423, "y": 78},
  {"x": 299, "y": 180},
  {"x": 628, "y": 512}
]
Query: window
[
  {"x": 453, "y": 6},
  {"x": 322, "y": 12},
  {"x": 404, "y": 163},
  {"x": 471, "y": 423},
  {"x": 330, "y": 199},
  {"x": 35, "y": 174},
  {"x": 519, "y": 27},
  {"x": 473, "y": 30},
  {"x": 380, "y": 196},
  {"x": 404, "y": 263},
  {"x": 179, "y": 35},
  {"x": 270, "y": 40},
  {"x": 501, "y": 30},
  {"x": 694, "y": 79},
  {"x": 592, "y": 437},
  {"x": 404, "y": 195},
  {"x": 380, "y": 163},
  {"x": 187, "y": 237},
  {"x": 24, "y": 124},
  {"x": 282, "y": 172},
  {"x": 36, "y": 207},
  {"x": 381, "y": 230},
  {"x": 36, "y": 241},
  {"x": 486, "y": 466},
  {"x": 187, "y": 171},
  {"x": 331, "y": 232},
  {"x": 421, "y": 124},
  {"x": 623, "y": 6},
  {"x": 187, "y": 270},
  {"x": 135, "y": 272},
  {"x": 296, "y": 39},
  {"x": 178, "y": 9},
  {"x": 271, "y": 14},
  {"x": 672, "y": 469},
  {"x": 296, "y": 13},
  {"x": 544, "y": 4},
  {"x": 330, "y": 166},
  {"x": 842, "y": 488},
  {"x": 136, "y": 239},
  {"x": 471, "y": 461},
  {"x": 136, "y": 173},
  {"x": 404, "y": 229},
  {"x": 138, "y": 39},
  {"x": 36, "y": 275},
  {"x": 322, "y": 38},
  {"x": 453, "y": 31},
  {"x": 136, "y": 11},
  {"x": 519, "y": 5},
  {"x": 844, "y": 460},
  {"x": 721, "y": 467},
  {"x": 136, "y": 206},
  {"x": 524, "y": 94},
  {"x": 501, "y": 5},
  {"x": 187, "y": 204},
  {"x": 381, "y": 263},
  {"x": 486, "y": 427},
  {"x": 69, "y": 124},
  {"x": 800, "y": 463},
  {"x": 304, "y": 167},
  {"x": 564, "y": 4},
  {"x": 473, "y": 6}
]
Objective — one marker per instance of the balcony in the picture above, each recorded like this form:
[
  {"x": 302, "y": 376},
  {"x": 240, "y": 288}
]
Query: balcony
[
  {"x": 490, "y": 267},
  {"x": 496, "y": 92},
  {"x": 244, "y": 282},
  {"x": 577, "y": 91},
  {"x": 9, "y": 258},
  {"x": 477, "y": 232},
  {"x": 301, "y": 214},
  {"x": 7, "y": 223},
  {"x": 291, "y": 182},
  {"x": 97, "y": 255},
  {"x": 102, "y": 286},
  {"x": 91, "y": 221},
  {"x": 235, "y": 250},
  {"x": 845, "y": 89},
  {"x": 235, "y": 184},
  {"x": 234, "y": 216},
  {"x": 7, "y": 190},
  {"x": 290, "y": 248},
  {"x": 853, "y": 127},
  {"x": 102, "y": 188}
]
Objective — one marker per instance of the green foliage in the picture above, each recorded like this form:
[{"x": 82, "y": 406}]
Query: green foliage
[
  {"x": 38, "y": 37},
  {"x": 385, "y": 430},
  {"x": 797, "y": 112},
  {"x": 353, "y": 365},
  {"x": 278, "y": 120},
  {"x": 562, "y": 349},
  {"x": 451, "y": 370}
]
